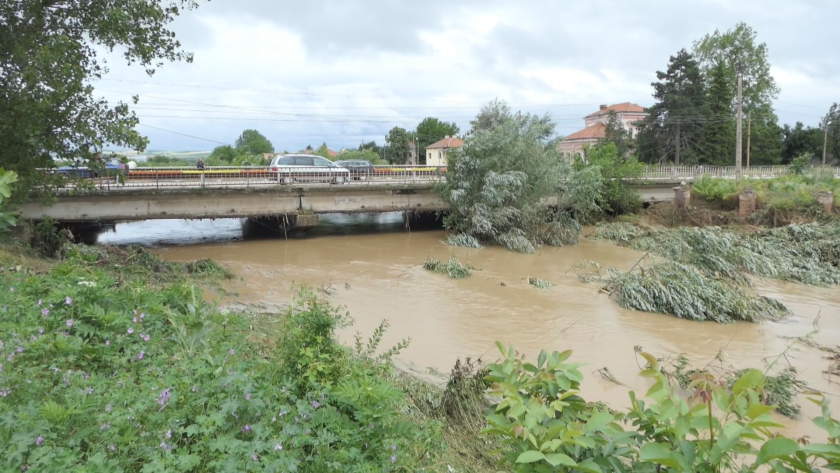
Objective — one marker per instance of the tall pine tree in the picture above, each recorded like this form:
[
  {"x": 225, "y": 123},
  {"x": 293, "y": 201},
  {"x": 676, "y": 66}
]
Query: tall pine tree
[
  {"x": 717, "y": 146},
  {"x": 674, "y": 125}
]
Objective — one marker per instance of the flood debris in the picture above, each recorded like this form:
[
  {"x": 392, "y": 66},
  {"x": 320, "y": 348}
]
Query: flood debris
[{"x": 452, "y": 267}]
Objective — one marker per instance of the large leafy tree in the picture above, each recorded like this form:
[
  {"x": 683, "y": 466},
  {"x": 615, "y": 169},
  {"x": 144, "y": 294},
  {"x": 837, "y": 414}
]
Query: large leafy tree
[
  {"x": 741, "y": 54},
  {"x": 614, "y": 166},
  {"x": 675, "y": 122},
  {"x": 831, "y": 126},
  {"x": 617, "y": 135},
  {"x": 431, "y": 130},
  {"x": 398, "y": 148},
  {"x": 799, "y": 140},
  {"x": 225, "y": 153},
  {"x": 49, "y": 56},
  {"x": 497, "y": 182},
  {"x": 253, "y": 142}
]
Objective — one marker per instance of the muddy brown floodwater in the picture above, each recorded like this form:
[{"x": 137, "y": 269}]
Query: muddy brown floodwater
[{"x": 380, "y": 276}]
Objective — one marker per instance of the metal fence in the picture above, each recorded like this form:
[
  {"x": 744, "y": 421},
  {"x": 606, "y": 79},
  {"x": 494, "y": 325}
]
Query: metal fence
[{"x": 262, "y": 176}]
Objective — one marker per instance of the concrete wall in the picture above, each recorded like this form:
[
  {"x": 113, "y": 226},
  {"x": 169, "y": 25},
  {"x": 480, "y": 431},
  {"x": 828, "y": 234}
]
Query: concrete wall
[{"x": 436, "y": 157}]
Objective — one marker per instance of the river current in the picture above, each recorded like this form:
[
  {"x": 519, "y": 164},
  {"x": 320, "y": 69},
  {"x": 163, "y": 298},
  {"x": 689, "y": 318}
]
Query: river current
[{"x": 375, "y": 269}]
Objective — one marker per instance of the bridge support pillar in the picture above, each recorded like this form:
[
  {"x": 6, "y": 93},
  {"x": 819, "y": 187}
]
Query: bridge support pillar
[
  {"x": 826, "y": 199},
  {"x": 289, "y": 226},
  {"x": 746, "y": 203}
]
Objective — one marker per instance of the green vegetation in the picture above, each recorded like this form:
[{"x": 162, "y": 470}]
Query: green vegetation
[
  {"x": 615, "y": 198},
  {"x": 50, "y": 54},
  {"x": 398, "y": 148},
  {"x": 7, "y": 218},
  {"x": 463, "y": 240},
  {"x": 547, "y": 426},
  {"x": 539, "y": 283},
  {"x": 451, "y": 267},
  {"x": 363, "y": 155},
  {"x": 431, "y": 130},
  {"x": 496, "y": 183},
  {"x": 795, "y": 193}
]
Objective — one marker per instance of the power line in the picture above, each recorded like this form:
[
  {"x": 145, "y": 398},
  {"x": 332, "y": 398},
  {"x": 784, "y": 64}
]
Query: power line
[{"x": 182, "y": 134}]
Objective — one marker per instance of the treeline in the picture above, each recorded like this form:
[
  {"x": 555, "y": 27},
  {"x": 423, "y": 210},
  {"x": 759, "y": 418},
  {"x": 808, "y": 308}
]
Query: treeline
[{"x": 693, "y": 119}]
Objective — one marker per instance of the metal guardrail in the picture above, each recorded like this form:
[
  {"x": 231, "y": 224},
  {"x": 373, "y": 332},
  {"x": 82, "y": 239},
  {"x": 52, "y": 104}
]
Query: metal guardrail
[{"x": 262, "y": 176}]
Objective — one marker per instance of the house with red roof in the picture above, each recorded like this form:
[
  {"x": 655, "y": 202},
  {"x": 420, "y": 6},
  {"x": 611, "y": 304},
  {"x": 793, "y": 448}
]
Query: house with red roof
[
  {"x": 596, "y": 126},
  {"x": 436, "y": 152}
]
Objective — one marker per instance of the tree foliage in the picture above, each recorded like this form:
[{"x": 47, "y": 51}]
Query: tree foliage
[
  {"x": 253, "y": 142},
  {"x": 49, "y": 53},
  {"x": 7, "y": 218},
  {"x": 615, "y": 197},
  {"x": 675, "y": 122},
  {"x": 616, "y": 134},
  {"x": 363, "y": 155},
  {"x": 831, "y": 127},
  {"x": 718, "y": 135},
  {"x": 224, "y": 153},
  {"x": 431, "y": 130},
  {"x": 398, "y": 148},
  {"x": 497, "y": 183},
  {"x": 800, "y": 140}
]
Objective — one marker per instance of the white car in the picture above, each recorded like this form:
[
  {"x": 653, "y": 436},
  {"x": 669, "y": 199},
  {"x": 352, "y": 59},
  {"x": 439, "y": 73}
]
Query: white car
[{"x": 291, "y": 168}]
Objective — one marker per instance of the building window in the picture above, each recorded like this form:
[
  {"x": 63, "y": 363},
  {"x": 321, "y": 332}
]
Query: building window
[
  {"x": 439, "y": 155},
  {"x": 430, "y": 155}
]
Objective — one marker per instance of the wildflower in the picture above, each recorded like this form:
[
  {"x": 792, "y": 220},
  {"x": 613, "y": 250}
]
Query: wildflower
[
  {"x": 86, "y": 376},
  {"x": 45, "y": 312},
  {"x": 305, "y": 416},
  {"x": 255, "y": 457},
  {"x": 134, "y": 320},
  {"x": 163, "y": 399},
  {"x": 108, "y": 408},
  {"x": 20, "y": 349},
  {"x": 39, "y": 441},
  {"x": 104, "y": 427},
  {"x": 135, "y": 311},
  {"x": 11, "y": 289},
  {"x": 40, "y": 331},
  {"x": 247, "y": 396},
  {"x": 68, "y": 300},
  {"x": 169, "y": 434},
  {"x": 107, "y": 343},
  {"x": 165, "y": 446},
  {"x": 234, "y": 415},
  {"x": 40, "y": 302},
  {"x": 141, "y": 355},
  {"x": 283, "y": 390},
  {"x": 146, "y": 337},
  {"x": 232, "y": 352},
  {"x": 130, "y": 330},
  {"x": 246, "y": 429},
  {"x": 273, "y": 419},
  {"x": 278, "y": 447},
  {"x": 4, "y": 392},
  {"x": 69, "y": 322},
  {"x": 393, "y": 458},
  {"x": 315, "y": 405},
  {"x": 393, "y": 448},
  {"x": 112, "y": 448},
  {"x": 142, "y": 315}
]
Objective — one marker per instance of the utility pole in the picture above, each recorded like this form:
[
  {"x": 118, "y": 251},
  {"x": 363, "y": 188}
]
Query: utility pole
[
  {"x": 677, "y": 155},
  {"x": 749, "y": 135},
  {"x": 738, "y": 132},
  {"x": 825, "y": 138}
]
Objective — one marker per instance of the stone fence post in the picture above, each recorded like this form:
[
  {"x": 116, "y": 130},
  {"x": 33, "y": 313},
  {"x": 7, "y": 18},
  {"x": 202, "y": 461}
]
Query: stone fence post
[
  {"x": 746, "y": 203},
  {"x": 682, "y": 196},
  {"x": 826, "y": 199}
]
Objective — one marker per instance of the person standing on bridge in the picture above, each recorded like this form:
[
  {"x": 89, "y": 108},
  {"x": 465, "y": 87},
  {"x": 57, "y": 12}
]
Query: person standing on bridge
[{"x": 200, "y": 164}]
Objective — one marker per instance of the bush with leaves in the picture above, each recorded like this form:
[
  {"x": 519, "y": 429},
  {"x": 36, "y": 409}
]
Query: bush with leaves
[
  {"x": 451, "y": 267},
  {"x": 7, "y": 218},
  {"x": 617, "y": 197},
  {"x": 500, "y": 184}
]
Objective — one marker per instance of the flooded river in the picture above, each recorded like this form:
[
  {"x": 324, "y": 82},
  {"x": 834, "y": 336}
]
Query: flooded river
[{"x": 376, "y": 270}]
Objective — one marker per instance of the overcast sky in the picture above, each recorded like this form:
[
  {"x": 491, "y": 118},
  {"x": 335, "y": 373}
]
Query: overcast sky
[{"x": 346, "y": 71}]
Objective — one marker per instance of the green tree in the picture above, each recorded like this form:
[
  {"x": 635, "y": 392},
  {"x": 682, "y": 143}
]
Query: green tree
[
  {"x": 832, "y": 131},
  {"x": 742, "y": 55},
  {"x": 497, "y": 182},
  {"x": 718, "y": 140},
  {"x": 616, "y": 134},
  {"x": 225, "y": 153},
  {"x": 431, "y": 130},
  {"x": 49, "y": 54},
  {"x": 7, "y": 218},
  {"x": 323, "y": 151},
  {"x": 362, "y": 155},
  {"x": 397, "y": 140},
  {"x": 253, "y": 142},
  {"x": 675, "y": 120},
  {"x": 800, "y": 140},
  {"x": 495, "y": 113},
  {"x": 616, "y": 197}
]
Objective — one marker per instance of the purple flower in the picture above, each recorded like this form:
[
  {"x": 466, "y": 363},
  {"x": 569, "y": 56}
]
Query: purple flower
[
  {"x": 255, "y": 457},
  {"x": 4, "y": 392},
  {"x": 107, "y": 343},
  {"x": 134, "y": 320},
  {"x": 247, "y": 396},
  {"x": 86, "y": 376},
  {"x": 315, "y": 405},
  {"x": 20, "y": 349},
  {"x": 108, "y": 408},
  {"x": 40, "y": 331},
  {"x": 39, "y": 441},
  {"x": 104, "y": 427},
  {"x": 169, "y": 434},
  {"x": 393, "y": 458},
  {"x": 68, "y": 301},
  {"x": 165, "y": 446},
  {"x": 278, "y": 447},
  {"x": 274, "y": 419},
  {"x": 146, "y": 337},
  {"x": 69, "y": 322},
  {"x": 112, "y": 448},
  {"x": 393, "y": 448},
  {"x": 246, "y": 429},
  {"x": 11, "y": 289},
  {"x": 45, "y": 312},
  {"x": 40, "y": 302},
  {"x": 163, "y": 399},
  {"x": 142, "y": 315},
  {"x": 130, "y": 330},
  {"x": 232, "y": 352},
  {"x": 141, "y": 355}
]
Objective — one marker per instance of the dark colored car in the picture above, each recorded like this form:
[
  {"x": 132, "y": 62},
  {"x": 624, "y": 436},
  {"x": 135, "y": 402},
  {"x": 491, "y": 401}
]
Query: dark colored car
[
  {"x": 359, "y": 169},
  {"x": 79, "y": 170}
]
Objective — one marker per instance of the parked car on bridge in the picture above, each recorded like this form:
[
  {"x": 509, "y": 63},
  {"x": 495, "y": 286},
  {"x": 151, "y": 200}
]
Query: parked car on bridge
[
  {"x": 359, "y": 169},
  {"x": 306, "y": 168},
  {"x": 78, "y": 169}
]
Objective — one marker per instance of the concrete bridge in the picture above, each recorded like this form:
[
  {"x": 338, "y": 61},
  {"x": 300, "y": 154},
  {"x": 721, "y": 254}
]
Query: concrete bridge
[{"x": 142, "y": 203}]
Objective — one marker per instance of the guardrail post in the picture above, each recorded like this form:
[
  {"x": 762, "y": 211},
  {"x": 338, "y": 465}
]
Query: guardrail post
[
  {"x": 157, "y": 180},
  {"x": 202, "y": 179}
]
